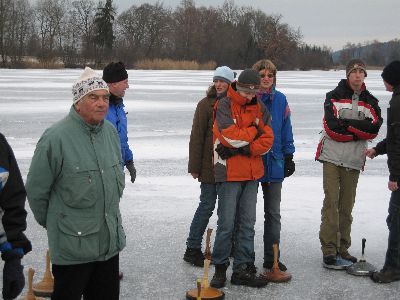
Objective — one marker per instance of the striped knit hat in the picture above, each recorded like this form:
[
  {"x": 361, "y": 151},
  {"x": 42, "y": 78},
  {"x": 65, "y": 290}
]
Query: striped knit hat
[{"x": 88, "y": 81}]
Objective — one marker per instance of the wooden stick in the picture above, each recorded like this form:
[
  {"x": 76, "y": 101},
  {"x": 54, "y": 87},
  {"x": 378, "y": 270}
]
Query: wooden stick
[
  {"x": 30, "y": 295},
  {"x": 275, "y": 250},
  {"x": 207, "y": 260},
  {"x": 198, "y": 289}
]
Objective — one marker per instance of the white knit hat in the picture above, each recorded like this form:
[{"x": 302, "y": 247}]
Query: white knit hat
[{"x": 88, "y": 81}]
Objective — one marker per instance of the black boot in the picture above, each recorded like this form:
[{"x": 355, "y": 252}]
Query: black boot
[
  {"x": 194, "y": 257},
  {"x": 386, "y": 275},
  {"x": 269, "y": 265},
  {"x": 219, "y": 278},
  {"x": 246, "y": 275},
  {"x": 329, "y": 259}
]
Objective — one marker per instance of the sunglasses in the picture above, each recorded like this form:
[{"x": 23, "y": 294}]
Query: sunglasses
[{"x": 269, "y": 75}]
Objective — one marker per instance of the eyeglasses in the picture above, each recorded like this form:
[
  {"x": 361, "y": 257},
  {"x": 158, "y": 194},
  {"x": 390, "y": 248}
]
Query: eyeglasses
[{"x": 269, "y": 75}]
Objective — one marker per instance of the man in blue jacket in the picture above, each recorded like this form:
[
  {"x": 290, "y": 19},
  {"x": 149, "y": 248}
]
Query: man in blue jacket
[
  {"x": 278, "y": 163},
  {"x": 116, "y": 77}
]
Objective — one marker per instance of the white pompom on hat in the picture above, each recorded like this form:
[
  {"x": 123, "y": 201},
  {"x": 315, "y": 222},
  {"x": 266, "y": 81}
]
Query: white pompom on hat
[{"x": 88, "y": 81}]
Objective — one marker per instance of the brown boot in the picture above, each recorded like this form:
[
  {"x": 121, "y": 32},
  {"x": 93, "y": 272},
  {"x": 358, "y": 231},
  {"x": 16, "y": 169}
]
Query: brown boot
[{"x": 386, "y": 275}]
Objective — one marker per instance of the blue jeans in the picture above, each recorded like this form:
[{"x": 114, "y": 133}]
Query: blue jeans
[
  {"x": 272, "y": 217},
  {"x": 393, "y": 223},
  {"x": 236, "y": 212},
  {"x": 208, "y": 198}
]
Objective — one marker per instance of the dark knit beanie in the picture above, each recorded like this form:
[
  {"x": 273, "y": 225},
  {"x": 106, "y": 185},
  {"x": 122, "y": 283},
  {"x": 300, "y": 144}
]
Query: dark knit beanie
[
  {"x": 249, "y": 81},
  {"x": 391, "y": 73},
  {"x": 355, "y": 64},
  {"x": 115, "y": 72}
]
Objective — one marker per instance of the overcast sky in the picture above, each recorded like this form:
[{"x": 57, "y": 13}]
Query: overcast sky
[{"x": 322, "y": 22}]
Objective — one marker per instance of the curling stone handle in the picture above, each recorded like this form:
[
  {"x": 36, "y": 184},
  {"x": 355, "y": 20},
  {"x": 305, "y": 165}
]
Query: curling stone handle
[{"x": 363, "y": 246}]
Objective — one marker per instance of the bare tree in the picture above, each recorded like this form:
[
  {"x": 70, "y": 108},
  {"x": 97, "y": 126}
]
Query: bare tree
[
  {"x": 374, "y": 54},
  {"x": 81, "y": 17},
  {"x": 18, "y": 30},
  {"x": 393, "y": 50},
  {"x": 144, "y": 31},
  {"x": 280, "y": 41},
  {"x": 229, "y": 12},
  {"x": 80, "y": 32},
  {"x": 50, "y": 15},
  {"x": 184, "y": 27},
  {"x": 4, "y": 18},
  {"x": 348, "y": 52}
]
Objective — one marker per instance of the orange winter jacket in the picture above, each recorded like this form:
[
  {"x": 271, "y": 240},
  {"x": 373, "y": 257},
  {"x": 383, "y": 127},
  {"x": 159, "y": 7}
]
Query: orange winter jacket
[{"x": 238, "y": 123}]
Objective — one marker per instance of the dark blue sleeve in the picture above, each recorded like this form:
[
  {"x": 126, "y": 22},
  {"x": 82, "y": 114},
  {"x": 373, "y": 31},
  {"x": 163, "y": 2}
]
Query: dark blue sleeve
[{"x": 287, "y": 132}]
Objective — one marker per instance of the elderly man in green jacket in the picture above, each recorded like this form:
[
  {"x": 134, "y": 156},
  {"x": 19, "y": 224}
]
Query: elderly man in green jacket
[{"x": 74, "y": 186}]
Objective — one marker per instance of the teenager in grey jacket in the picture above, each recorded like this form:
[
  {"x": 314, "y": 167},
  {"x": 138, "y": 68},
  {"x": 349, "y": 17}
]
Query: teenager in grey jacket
[{"x": 351, "y": 117}]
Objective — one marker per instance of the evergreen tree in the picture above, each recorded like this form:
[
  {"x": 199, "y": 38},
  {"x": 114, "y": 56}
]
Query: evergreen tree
[{"x": 104, "y": 35}]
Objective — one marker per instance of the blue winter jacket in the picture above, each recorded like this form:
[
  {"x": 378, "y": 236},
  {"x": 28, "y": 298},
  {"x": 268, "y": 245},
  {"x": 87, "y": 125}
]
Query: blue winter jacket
[
  {"x": 283, "y": 145},
  {"x": 117, "y": 116}
]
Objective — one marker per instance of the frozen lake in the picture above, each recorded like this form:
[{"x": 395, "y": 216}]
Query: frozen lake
[{"x": 158, "y": 208}]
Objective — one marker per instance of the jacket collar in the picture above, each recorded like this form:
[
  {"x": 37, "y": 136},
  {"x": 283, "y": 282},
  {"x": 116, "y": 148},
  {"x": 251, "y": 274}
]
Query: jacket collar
[
  {"x": 266, "y": 94},
  {"x": 396, "y": 90},
  {"x": 88, "y": 128},
  {"x": 115, "y": 100},
  {"x": 237, "y": 98},
  {"x": 346, "y": 82}
]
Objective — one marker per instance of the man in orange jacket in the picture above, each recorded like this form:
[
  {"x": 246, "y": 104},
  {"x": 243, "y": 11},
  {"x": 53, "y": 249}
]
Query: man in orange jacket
[{"x": 242, "y": 133}]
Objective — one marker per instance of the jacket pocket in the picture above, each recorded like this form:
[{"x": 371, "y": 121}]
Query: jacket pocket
[
  {"x": 121, "y": 233},
  {"x": 276, "y": 166},
  {"x": 78, "y": 187},
  {"x": 79, "y": 239},
  {"x": 120, "y": 178}
]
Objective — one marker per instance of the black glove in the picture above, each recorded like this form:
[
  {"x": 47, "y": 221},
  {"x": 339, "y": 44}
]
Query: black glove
[
  {"x": 344, "y": 123},
  {"x": 260, "y": 131},
  {"x": 289, "y": 166},
  {"x": 132, "y": 170},
  {"x": 225, "y": 152},
  {"x": 13, "y": 274}
]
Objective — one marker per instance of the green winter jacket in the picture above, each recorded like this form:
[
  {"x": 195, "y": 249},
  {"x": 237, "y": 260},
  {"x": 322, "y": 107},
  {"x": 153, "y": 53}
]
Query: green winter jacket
[{"x": 74, "y": 186}]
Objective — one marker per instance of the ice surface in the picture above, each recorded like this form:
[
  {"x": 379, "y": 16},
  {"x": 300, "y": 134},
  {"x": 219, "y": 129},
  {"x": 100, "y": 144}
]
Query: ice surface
[{"x": 158, "y": 208}]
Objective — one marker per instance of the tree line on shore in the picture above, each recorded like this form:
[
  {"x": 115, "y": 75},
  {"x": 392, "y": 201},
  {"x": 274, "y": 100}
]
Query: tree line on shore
[{"x": 74, "y": 33}]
